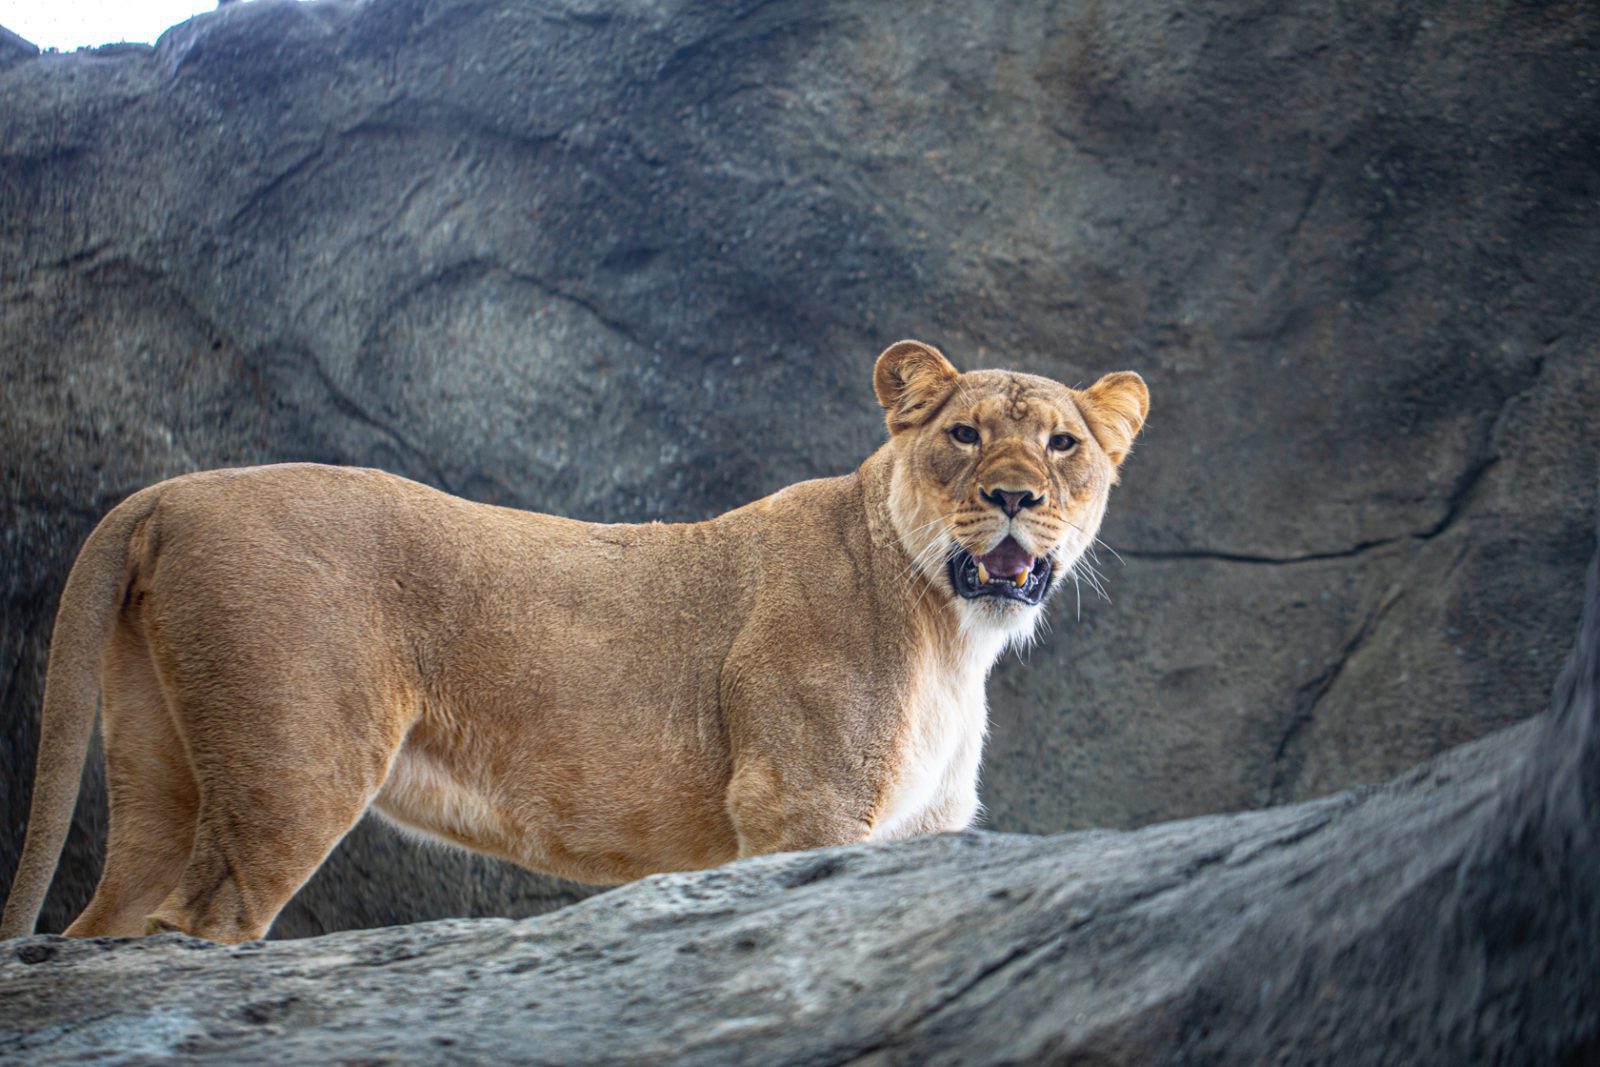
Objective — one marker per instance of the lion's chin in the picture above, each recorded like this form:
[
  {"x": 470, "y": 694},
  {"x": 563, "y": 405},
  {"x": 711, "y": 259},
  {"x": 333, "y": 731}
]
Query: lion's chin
[{"x": 1006, "y": 572}]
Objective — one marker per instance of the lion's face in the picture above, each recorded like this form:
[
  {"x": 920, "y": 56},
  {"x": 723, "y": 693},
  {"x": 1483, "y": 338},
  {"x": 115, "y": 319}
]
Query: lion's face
[{"x": 1001, "y": 479}]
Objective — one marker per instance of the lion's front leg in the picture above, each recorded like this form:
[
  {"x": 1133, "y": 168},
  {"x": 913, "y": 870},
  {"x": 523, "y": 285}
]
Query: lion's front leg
[
  {"x": 780, "y": 806},
  {"x": 813, "y": 724},
  {"x": 957, "y": 810}
]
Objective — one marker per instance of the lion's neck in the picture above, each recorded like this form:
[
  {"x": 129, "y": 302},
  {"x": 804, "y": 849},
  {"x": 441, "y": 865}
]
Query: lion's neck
[{"x": 877, "y": 477}]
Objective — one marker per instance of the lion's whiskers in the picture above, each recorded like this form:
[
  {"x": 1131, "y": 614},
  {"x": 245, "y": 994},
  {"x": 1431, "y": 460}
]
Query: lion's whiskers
[
  {"x": 1096, "y": 540},
  {"x": 928, "y": 584},
  {"x": 925, "y": 555}
]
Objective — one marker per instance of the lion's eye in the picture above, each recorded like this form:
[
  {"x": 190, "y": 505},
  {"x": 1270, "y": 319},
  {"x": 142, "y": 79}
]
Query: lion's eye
[
  {"x": 964, "y": 434},
  {"x": 1063, "y": 442}
]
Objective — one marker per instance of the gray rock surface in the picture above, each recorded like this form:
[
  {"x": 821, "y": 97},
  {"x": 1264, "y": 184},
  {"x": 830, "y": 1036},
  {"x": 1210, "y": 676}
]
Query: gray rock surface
[
  {"x": 14, "y": 49},
  {"x": 1449, "y": 917},
  {"x": 632, "y": 260}
]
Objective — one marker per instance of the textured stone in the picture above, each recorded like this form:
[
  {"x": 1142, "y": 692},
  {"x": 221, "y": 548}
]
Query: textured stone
[
  {"x": 14, "y": 49},
  {"x": 632, "y": 260},
  {"x": 1449, "y": 917}
]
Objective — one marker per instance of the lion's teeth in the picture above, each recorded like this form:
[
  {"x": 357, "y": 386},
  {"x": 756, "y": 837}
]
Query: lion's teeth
[
  {"x": 983, "y": 574},
  {"x": 1022, "y": 579}
]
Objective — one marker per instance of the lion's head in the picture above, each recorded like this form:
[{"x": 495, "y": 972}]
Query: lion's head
[{"x": 1000, "y": 479}]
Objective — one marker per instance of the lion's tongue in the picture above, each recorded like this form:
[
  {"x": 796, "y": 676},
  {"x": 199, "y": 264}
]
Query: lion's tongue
[{"x": 1008, "y": 560}]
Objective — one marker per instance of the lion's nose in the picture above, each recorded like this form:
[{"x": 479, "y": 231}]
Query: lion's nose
[{"x": 1011, "y": 501}]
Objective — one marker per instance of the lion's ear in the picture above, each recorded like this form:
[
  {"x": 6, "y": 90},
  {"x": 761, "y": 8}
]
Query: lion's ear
[
  {"x": 910, "y": 379},
  {"x": 1115, "y": 408}
]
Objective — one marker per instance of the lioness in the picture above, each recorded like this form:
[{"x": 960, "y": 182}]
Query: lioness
[{"x": 281, "y": 648}]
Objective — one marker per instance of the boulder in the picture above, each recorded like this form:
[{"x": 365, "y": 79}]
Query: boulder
[{"x": 632, "y": 260}]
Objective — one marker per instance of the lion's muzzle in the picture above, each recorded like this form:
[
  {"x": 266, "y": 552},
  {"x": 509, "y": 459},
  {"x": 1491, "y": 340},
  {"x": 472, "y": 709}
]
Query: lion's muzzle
[{"x": 1006, "y": 571}]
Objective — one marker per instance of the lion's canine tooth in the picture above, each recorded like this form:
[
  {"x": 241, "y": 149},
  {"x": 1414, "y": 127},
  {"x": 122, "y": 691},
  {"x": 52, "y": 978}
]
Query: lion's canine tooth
[
  {"x": 983, "y": 574},
  {"x": 1022, "y": 579}
]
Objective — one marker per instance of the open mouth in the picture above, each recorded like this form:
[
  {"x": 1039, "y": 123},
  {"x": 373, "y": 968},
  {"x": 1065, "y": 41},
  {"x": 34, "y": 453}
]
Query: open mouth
[{"x": 1007, "y": 571}]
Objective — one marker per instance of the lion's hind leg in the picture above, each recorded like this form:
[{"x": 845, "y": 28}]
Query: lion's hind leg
[
  {"x": 286, "y": 768},
  {"x": 152, "y": 793}
]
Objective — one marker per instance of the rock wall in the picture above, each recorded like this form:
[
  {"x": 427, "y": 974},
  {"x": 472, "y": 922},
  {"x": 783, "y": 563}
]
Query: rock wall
[{"x": 633, "y": 260}]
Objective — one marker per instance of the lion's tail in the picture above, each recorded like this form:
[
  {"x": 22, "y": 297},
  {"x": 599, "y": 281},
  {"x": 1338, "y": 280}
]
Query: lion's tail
[{"x": 89, "y": 605}]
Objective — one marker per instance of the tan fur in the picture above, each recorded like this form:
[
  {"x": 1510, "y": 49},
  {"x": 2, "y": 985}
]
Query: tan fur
[{"x": 282, "y": 648}]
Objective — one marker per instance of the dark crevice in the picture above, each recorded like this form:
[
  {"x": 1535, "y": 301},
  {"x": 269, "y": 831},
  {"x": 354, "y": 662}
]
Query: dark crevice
[
  {"x": 910, "y": 1026},
  {"x": 1251, "y": 557},
  {"x": 1313, "y": 191},
  {"x": 728, "y": 35},
  {"x": 1247, "y": 851},
  {"x": 347, "y": 405},
  {"x": 616, "y": 326},
  {"x": 275, "y": 183},
  {"x": 24, "y": 1041},
  {"x": 1455, "y": 503},
  {"x": 408, "y": 117},
  {"x": 1034, "y": 948},
  {"x": 73, "y": 259},
  {"x": 1566, "y": 324},
  {"x": 1310, "y": 695}
]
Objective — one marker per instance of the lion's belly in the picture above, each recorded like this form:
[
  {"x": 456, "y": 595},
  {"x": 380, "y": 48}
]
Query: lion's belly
[
  {"x": 587, "y": 824},
  {"x": 935, "y": 784}
]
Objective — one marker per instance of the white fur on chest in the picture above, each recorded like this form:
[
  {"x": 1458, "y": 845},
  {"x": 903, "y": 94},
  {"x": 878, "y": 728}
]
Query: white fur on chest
[{"x": 936, "y": 780}]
